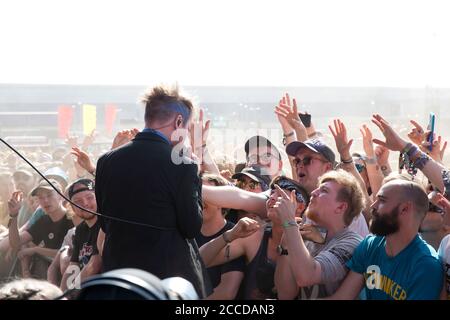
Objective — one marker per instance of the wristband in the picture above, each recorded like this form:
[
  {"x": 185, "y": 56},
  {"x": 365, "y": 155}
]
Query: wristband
[
  {"x": 407, "y": 148},
  {"x": 287, "y": 224},
  {"x": 370, "y": 160},
  {"x": 347, "y": 161},
  {"x": 288, "y": 134}
]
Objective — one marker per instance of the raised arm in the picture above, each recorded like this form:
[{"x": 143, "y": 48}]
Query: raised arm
[
  {"x": 305, "y": 269},
  {"x": 430, "y": 168},
  {"x": 343, "y": 146},
  {"x": 288, "y": 116},
  {"x": 188, "y": 200},
  {"x": 373, "y": 171},
  {"x": 199, "y": 139},
  {"x": 289, "y": 119},
  {"x": 285, "y": 283},
  {"x": 235, "y": 198},
  {"x": 230, "y": 245},
  {"x": 16, "y": 239}
]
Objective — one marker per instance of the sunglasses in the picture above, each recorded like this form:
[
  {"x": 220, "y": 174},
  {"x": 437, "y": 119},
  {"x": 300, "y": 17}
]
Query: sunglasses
[
  {"x": 252, "y": 185},
  {"x": 306, "y": 160}
]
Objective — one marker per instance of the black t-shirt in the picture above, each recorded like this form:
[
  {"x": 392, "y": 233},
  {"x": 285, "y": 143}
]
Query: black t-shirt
[
  {"x": 216, "y": 272},
  {"x": 49, "y": 234},
  {"x": 85, "y": 243}
]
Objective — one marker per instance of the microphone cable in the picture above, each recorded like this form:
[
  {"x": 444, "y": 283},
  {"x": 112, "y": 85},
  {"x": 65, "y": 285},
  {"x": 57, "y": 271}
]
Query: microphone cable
[{"x": 74, "y": 204}]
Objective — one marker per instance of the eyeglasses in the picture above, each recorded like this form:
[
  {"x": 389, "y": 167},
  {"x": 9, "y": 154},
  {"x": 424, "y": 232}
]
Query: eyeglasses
[
  {"x": 262, "y": 158},
  {"x": 252, "y": 185},
  {"x": 306, "y": 160}
]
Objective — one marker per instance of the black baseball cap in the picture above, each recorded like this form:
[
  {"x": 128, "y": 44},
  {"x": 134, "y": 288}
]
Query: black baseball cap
[
  {"x": 80, "y": 185},
  {"x": 254, "y": 173}
]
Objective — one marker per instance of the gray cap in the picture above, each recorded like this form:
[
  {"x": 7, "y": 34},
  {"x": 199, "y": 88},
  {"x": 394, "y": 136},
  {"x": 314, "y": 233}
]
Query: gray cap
[{"x": 45, "y": 185}]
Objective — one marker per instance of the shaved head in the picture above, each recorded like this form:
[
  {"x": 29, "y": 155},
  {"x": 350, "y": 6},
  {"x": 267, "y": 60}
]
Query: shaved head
[{"x": 408, "y": 191}]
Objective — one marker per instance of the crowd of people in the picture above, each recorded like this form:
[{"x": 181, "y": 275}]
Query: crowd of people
[{"x": 326, "y": 225}]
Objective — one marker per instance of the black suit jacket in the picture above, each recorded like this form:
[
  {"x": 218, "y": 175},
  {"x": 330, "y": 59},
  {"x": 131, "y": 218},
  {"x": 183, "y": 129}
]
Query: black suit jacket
[{"x": 139, "y": 182}]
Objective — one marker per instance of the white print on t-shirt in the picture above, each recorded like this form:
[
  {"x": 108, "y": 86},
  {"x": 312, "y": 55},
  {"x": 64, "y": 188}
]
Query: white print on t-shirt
[
  {"x": 375, "y": 280},
  {"x": 73, "y": 280},
  {"x": 309, "y": 292}
]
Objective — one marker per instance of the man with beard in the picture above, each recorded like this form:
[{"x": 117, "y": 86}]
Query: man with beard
[
  {"x": 85, "y": 259},
  {"x": 395, "y": 263},
  {"x": 317, "y": 269}
]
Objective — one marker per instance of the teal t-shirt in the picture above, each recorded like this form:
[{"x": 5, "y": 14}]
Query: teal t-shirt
[{"x": 413, "y": 274}]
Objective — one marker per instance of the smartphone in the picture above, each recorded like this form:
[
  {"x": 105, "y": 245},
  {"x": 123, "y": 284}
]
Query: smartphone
[
  {"x": 306, "y": 119},
  {"x": 431, "y": 127}
]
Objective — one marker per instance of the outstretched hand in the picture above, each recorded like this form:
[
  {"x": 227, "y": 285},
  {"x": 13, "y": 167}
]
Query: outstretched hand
[
  {"x": 367, "y": 141},
  {"x": 393, "y": 141},
  {"x": 382, "y": 154},
  {"x": 288, "y": 116},
  {"x": 15, "y": 203},
  {"x": 123, "y": 137},
  {"x": 286, "y": 205},
  {"x": 199, "y": 134},
  {"x": 417, "y": 134},
  {"x": 340, "y": 138},
  {"x": 83, "y": 159}
]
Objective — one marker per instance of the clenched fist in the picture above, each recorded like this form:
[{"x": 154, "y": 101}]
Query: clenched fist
[{"x": 244, "y": 228}]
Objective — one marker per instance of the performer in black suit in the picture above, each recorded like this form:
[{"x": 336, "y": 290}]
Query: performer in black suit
[{"x": 141, "y": 182}]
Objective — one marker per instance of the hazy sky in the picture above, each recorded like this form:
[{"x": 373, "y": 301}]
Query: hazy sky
[{"x": 232, "y": 42}]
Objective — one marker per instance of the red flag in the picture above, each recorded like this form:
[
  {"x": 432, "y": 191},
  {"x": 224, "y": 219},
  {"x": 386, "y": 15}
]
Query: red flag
[
  {"x": 65, "y": 117},
  {"x": 110, "y": 117}
]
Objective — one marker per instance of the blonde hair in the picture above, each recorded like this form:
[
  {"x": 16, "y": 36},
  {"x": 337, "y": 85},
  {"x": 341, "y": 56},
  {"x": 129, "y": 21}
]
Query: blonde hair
[{"x": 350, "y": 192}]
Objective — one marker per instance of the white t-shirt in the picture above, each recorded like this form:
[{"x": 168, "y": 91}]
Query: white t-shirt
[
  {"x": 444, "y": 255},
  {"x": 359, "y": 226}
]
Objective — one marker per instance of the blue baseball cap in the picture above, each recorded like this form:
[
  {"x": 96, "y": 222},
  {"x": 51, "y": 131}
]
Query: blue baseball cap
[{"x": 315, "y": 145}]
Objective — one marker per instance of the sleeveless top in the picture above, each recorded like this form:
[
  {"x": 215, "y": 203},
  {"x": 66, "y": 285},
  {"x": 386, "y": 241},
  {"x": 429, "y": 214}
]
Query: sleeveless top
[{"x": 258, "y": 283}]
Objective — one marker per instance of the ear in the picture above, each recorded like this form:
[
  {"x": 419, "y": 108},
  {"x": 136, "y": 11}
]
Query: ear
[
  {"x": 179, "y": 121},
  {"x": 405, "y": 207},
  {"x": 300, "y": 209},
  {"x": 342, "y": 207}
]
